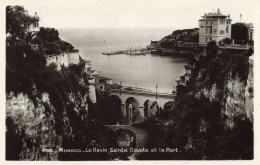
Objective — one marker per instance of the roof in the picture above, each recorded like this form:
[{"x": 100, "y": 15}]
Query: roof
[
  {"x": 36, "y": 17},
  {"x": 217, "y": 14}
]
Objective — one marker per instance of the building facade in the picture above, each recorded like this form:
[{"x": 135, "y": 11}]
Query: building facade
[
  {"x": 34, "y": 26},
  {"x": 63, "y": 59},
  {"x": 214, "y": 26}
]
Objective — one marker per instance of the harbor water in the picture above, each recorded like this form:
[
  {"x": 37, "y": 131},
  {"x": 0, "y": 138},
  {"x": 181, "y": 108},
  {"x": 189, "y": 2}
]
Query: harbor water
[{"x": 144, "y": 71}]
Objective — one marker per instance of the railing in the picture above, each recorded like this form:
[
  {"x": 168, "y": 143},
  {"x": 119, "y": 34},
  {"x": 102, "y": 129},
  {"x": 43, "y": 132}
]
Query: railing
[
  {"x": 238, "y": 47},
  {"x": 136, "y": 89}
]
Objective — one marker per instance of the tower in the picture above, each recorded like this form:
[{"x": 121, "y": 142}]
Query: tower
[
  {"x": 214, "y": 26},
  {"x": 34, "y": 26}
]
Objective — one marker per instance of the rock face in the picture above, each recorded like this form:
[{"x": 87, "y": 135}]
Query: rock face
[
  {"x": 235, "y": 94},
  {"x": 215, "y": 111},
  {"x": 236, "y": 99},
  {"x": 34, "y": 123},
  {"x": 249, "y": 92},
  {"x": 234, "y": 104}
]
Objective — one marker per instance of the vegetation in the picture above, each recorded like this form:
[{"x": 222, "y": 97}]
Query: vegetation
[
  {"x": 26, "y": 68},
  {"x": 52, "y": 44},
  {"x": 195, "y": 124},
  {"x": 239, "y": 32},
  {"x": 180, "y": 36},
  {"x": 17, "y": 21},
  {"x": 186, "y": 35},
  {"x": 226, "y": 41}
]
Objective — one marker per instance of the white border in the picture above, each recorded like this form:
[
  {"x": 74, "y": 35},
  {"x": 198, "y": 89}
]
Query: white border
[{"x": 253, "y": 4}]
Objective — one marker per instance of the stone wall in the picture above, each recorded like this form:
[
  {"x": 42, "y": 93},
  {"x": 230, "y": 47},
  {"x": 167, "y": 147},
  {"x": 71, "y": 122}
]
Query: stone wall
[
  {"x": 63, "y": 59},
  {"x": 73, "y": 57}
]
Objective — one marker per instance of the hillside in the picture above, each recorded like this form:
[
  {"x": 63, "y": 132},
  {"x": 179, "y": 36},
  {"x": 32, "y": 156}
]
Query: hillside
[
  {"x": 51, "y": 113},
  {"x": 185, "y": 35},
  {"x": 213, "y": 115},
  {"x": 48, "y": 110}
]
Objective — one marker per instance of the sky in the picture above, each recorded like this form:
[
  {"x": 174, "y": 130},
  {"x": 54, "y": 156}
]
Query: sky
[{"x": 136, "y": 15}]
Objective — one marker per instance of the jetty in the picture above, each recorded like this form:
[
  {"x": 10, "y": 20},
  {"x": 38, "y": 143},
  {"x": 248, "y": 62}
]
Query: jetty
[
  {"x": 140, "y": 51},
  {"x": 114, "y": 52}
]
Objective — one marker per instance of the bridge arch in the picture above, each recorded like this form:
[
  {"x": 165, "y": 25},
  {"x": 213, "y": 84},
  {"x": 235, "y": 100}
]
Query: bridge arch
[
  {"x": 132, "y": 110},
  {"x": 140, "y": 134},
  {"x": 125, "y": 138},
  {"x": 133, "y": 101},
  {"x": 115, "y": 99}
]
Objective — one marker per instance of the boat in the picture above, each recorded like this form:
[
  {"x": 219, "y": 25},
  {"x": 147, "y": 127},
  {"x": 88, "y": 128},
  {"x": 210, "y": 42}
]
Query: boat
[
  {"x": 114, "y": 52},
  {"x": 95, "y": 73}
]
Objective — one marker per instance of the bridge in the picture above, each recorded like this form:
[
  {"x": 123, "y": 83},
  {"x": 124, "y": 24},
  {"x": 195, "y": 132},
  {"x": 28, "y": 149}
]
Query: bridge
[
  {"x": 140, "y": 135},
  {"x": 144, "y": 92},
  {"x": 141, "y": 97}
]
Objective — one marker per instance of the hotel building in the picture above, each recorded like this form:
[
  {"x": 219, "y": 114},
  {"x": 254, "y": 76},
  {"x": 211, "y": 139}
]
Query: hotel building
[{"x": 214, "y": 26}]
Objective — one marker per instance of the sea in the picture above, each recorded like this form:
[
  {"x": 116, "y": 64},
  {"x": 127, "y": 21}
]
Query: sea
[{"x": 145, "y": 71}]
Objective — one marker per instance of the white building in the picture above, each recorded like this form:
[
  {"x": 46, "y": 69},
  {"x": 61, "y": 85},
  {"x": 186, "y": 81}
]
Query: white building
[
  {"x": 34, "y": 26},
  {"x": 214, "y": 26}
]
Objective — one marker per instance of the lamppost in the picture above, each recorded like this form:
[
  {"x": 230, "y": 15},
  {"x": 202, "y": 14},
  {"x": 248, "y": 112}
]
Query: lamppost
[
  {"x": 156, "y": 92},
  {"x": 130, "y": 108},
  {"x": 120, "y": 88}
]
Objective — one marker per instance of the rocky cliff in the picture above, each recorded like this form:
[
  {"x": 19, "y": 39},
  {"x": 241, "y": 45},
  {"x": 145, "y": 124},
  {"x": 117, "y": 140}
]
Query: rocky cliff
[
  {"x": 218, "y": 117},
  {"x": 40, "y": 125},
  {"x": 47, "y": 110},
  {"x": 31, "y": 128},
  {"x": 213, "y": 114}
]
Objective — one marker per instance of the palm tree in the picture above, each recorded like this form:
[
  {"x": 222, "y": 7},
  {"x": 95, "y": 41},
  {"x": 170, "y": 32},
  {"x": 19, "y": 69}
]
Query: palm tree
[{"x": 28, "y": 37}]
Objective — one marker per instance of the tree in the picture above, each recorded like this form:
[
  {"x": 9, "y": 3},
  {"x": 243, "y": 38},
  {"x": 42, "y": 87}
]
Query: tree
[
  {"x": 226, "y": 41},
  {"x": 28, "y": 37},
  {"x": 17, "y": 21},
  {"x": 212, "y": 48},
  {"x": 239, "y": 32},
  {"x": 48, "y": 34}
]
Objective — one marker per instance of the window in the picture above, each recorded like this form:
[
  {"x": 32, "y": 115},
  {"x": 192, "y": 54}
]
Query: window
[
  {"x": 227, "y": 29},
  {"x": 222, "y": 21},
  {"x": 215, "y": 31},
  {"x": 206, "y": 39},
  {"x": 206, "y": 30},
  {"x": 222, "y": 32},
  {"x": 206, "y": 22},
  {"x": 210, "y": 39},
  {"x": 210, "y": 31}
]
